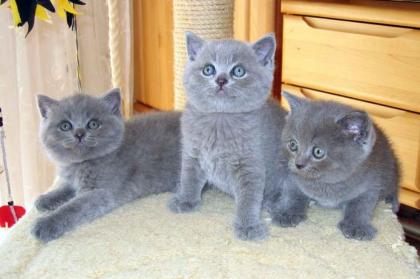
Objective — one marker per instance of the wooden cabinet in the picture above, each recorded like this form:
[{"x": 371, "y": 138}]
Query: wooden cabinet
[
  {"x": 354, "y": 53},
  {"x": 153, "y": 54},
  {"x": 353, "y": 59}
]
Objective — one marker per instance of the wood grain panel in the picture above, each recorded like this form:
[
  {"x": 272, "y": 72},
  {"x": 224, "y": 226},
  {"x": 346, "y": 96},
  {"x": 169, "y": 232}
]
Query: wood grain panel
[
  {"x": 262, "y": 18},
  {"x": 241, "y": 20},
  {"x": 254, "y": 19},
  {"x": 153, "y": 53},
  {"x": 410, "y": 198}
]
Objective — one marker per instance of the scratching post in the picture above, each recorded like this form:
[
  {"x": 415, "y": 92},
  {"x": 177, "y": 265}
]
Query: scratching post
[
  {"x": 118, "y": 12},
  {"x": 114, "y": 43},
  {"x": 210, "y": 19}
]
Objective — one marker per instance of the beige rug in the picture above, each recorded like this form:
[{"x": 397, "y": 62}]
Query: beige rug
[{"x": 144, "y": 240}]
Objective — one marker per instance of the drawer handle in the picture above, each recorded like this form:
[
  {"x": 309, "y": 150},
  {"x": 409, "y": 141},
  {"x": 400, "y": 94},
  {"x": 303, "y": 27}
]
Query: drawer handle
[
  {"x": 372, "y": 109},
  {"x": 355, "y": 27}
]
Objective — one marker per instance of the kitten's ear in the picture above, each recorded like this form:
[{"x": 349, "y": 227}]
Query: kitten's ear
[
  {"x": 45, "y": 104},
  {"x": 113, "y": 100},
  {"x": 357, "y": 124},
  {"x": 265, "y": 49},
  {"x": 294, "y": 102},
  {"x": 194, "y": 44}
]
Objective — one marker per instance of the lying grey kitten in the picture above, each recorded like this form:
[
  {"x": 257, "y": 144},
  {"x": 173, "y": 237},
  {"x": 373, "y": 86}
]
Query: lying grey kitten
[
  {"x": 338, "y": 157},
  {"x": 230, "y": 129},
  {"x": 102, "y": 162}
]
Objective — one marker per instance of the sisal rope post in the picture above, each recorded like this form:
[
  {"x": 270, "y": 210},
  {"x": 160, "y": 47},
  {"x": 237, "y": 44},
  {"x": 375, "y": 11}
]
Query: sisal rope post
[
  {"x": 115, "y": 37},
  {"x": 210, "y": 19}
]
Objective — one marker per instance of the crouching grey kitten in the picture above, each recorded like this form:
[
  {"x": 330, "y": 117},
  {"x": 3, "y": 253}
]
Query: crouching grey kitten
[
  {"x": 230, "y": 129},
  {"x": 102, "y": 162},
  {"x": 338, "y": 157}
]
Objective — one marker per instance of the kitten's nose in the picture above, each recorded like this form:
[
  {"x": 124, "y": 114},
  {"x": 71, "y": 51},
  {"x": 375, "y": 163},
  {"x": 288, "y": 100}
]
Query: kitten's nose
[
  {"x": 221, "y": 80},
  {"x": 79, "y": 134},
  {"x": 299, "y": 166}
]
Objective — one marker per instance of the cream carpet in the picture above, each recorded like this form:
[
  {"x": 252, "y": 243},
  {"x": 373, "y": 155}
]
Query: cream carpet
[{"x": 144, "y": 240}]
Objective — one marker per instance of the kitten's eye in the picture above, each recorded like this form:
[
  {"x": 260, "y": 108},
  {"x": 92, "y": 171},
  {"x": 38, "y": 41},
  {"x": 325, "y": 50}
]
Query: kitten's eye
[
  {"x": 93, "y": 124},
  {"x": 238, "y": 71},
  {"x": 318, "y": 152},
  {"x": 293, "y": 145},
  {"x": 65, "y": 126},
  {"x": 209, "y": 70}
]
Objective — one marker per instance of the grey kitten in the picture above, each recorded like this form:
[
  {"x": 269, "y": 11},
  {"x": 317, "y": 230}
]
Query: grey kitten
[
  {"x": 230, "y": 129},
  {"x": 102, "y": 162},
  {"x": 338, "y": 157}
]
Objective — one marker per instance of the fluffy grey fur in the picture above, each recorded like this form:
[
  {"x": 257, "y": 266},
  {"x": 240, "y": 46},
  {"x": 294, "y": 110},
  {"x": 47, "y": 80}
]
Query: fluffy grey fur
[
  {"x": 230, "y": 129},
  {"x": 338, "y": 157},
  {"x": 102, "y": 162}
]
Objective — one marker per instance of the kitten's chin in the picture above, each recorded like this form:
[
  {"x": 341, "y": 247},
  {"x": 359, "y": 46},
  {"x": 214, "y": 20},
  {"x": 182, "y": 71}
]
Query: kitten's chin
[
  {"x": 78, "y": 154},
  {"x": 79, "y": 146},
  {"x": 324, "y": 176},
  {"x": 308, "y": 175},
  {"x": 225, "y": 104}
]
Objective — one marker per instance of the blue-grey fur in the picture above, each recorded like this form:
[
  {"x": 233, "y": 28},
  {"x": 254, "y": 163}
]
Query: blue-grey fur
[
  {"x": 358, "y": 167},
  {"x": 230, "y": 132},
  {"x": 111, "y": 165}
]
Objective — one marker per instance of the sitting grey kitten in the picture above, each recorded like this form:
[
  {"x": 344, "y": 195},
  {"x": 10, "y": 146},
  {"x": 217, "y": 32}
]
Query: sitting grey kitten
[
  {"x": 338, "y": 157},
  {"x": 230, "y": 129},
  {"x": 102, "y": 162}
]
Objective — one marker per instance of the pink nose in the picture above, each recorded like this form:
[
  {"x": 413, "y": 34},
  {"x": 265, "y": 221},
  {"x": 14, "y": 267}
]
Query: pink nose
[
  {"x": 79, "y": 134},
  {"x": 221, "y": 81}
]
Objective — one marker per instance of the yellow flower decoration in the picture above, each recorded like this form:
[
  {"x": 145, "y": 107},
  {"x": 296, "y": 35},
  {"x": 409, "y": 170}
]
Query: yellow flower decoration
[
  {"x": 25, "y": 11},
  {"x": 63, "y": 7}
]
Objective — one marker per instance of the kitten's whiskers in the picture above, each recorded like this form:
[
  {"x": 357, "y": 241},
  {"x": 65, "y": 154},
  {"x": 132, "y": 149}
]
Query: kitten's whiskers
[
  {"x": 69, "y": 142},
  {"x": 90, "y": 141}
]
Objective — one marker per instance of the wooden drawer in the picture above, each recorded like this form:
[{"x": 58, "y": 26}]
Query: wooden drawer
[
  {"x": 376, "y": 63},
  {"x": 383, "y": 12},
  {"x": 402, "y": 128}
]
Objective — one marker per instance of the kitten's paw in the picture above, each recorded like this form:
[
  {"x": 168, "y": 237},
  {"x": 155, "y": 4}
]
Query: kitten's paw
[
  {"x": 177, "y": 206},
  {"x": 357, "y": 231},
  {"x": 254, "y": 232},
  {"x": 393, "y": 200},
  {"x": 43, "y": 203},
  {"x": 288, "y": 220},
  {"x": 47, "y": 229}
]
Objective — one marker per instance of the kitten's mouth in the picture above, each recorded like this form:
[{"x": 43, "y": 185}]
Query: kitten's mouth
[
  {"x": 305, "y": 173},
  {"x": 222, "y": 92},
  {"x": 75, "y": 145},
  {"x": 86, "y": 143},
  {"x": 79, "y": 144}
]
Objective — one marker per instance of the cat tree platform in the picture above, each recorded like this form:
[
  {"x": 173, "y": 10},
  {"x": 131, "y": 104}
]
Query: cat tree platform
[{"x": 144, "y": 240}]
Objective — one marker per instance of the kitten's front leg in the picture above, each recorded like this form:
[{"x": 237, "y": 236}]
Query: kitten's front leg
[
  {"x": 291, "y": 207},
  {"x": 53, "y": 199},
  {"x": 85, "y": 207},
  {"x": 193, "y": 179},
  {"x": 358, "y": 215},
  {"x": 249, "y": 196}
]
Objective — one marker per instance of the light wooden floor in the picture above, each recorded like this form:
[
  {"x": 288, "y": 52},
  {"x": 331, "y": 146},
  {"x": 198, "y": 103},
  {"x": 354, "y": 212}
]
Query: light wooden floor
[{"x": 141, "y": 108}]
